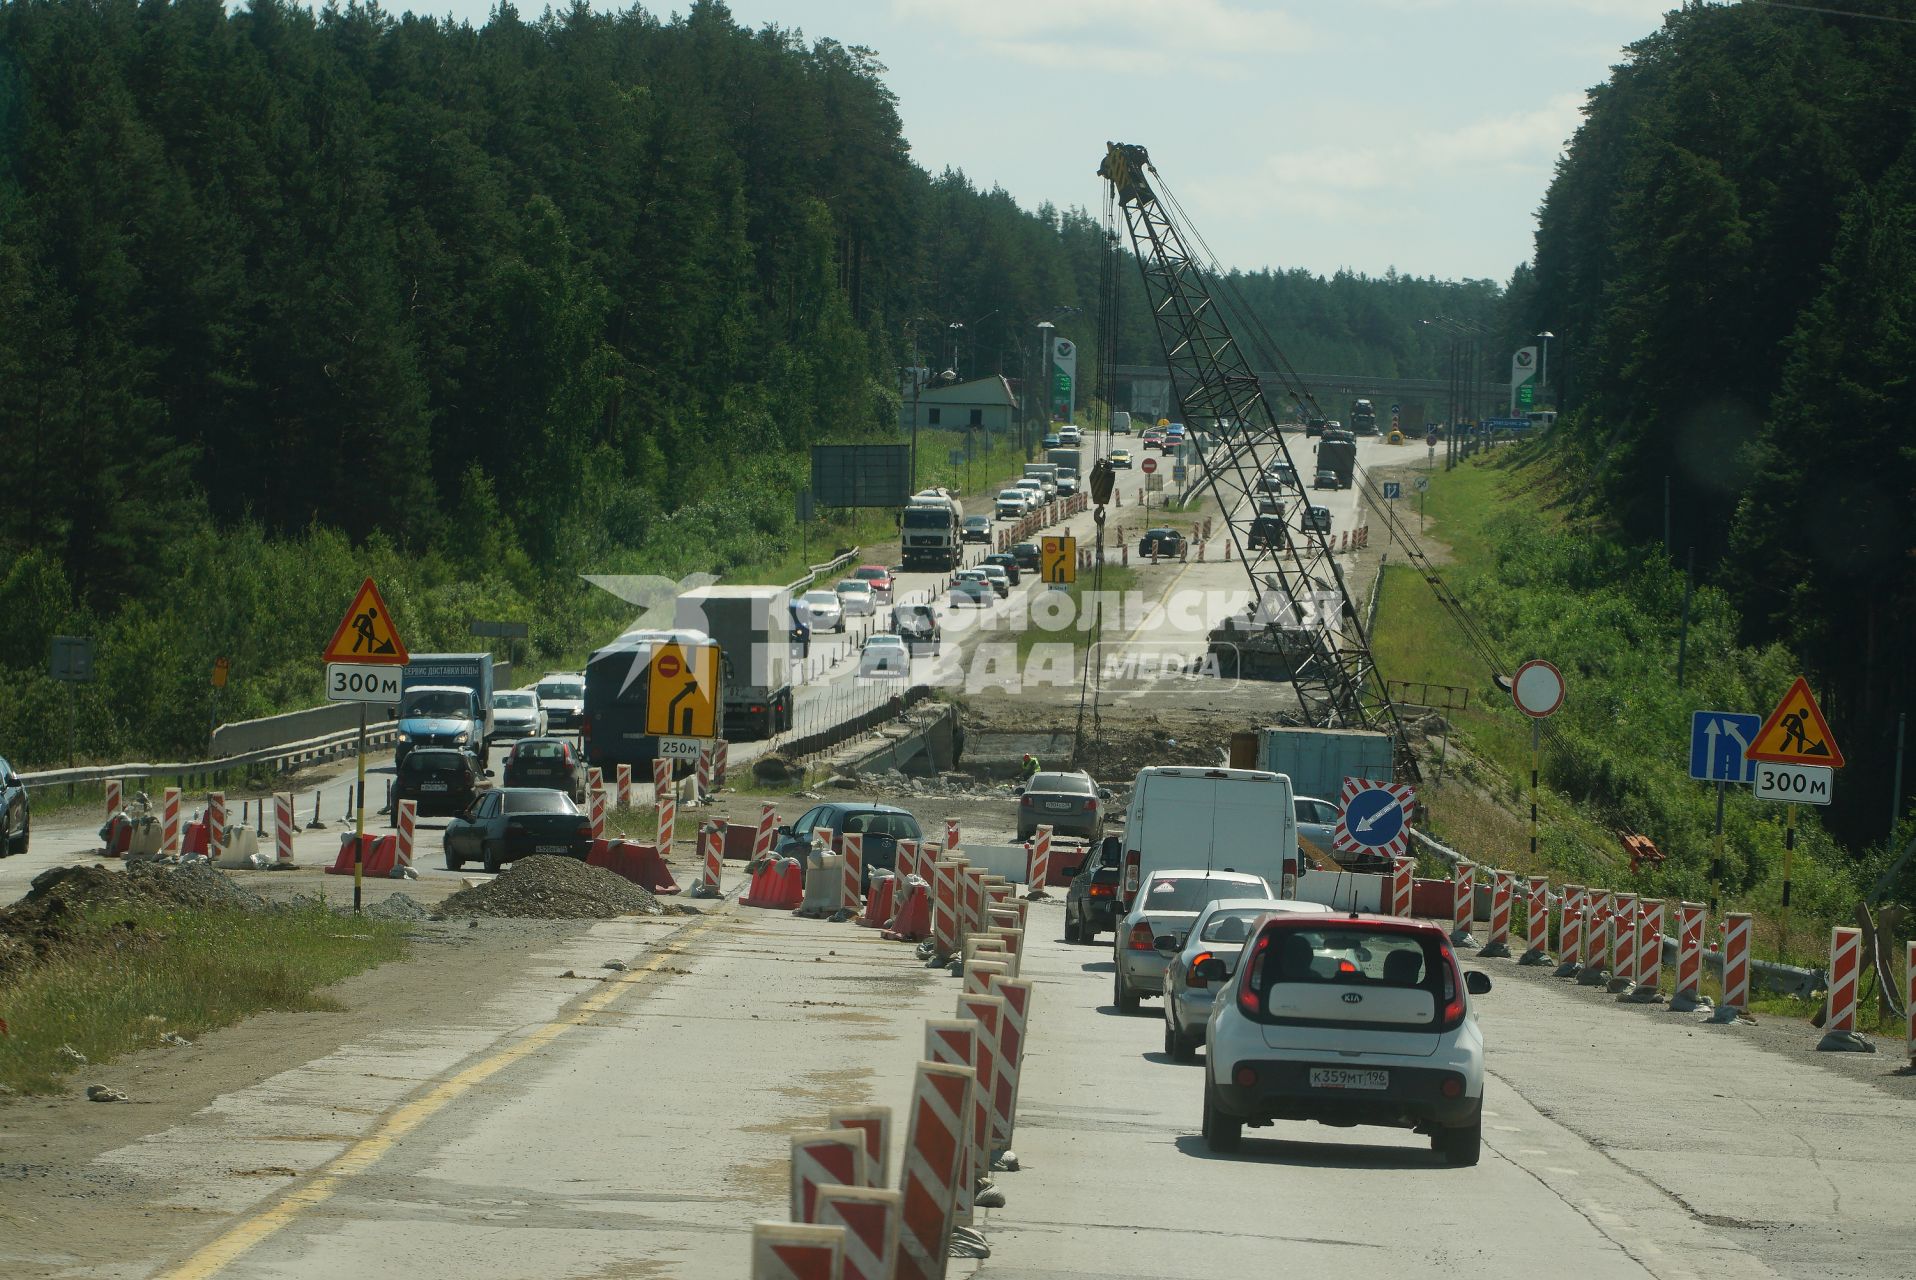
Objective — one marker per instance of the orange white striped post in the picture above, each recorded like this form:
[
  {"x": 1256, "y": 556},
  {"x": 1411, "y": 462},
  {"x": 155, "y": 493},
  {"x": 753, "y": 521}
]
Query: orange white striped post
[
  {"x": 1403, "y": 872},
  {"x": 1839, "y": 1007},
  {"x": 944, "y": 907},
  {"x": 595, "y": 811},
  {"x": 1688, "y": 997},
  {"x": 595, "y": 779},
  {"x": 767, "y": 826},
  {"x": 1623, "y": 942},
  {"x": 906, "y": 863},
  {"x": 1537, "y": 922},
  {"x": 624, "y": 781},
  {"x": 951, "y": 834},
  {"x": 1038, "y": 869},
  {"x": 1648, "y": 965},
  {"x": 664, "y": 805},
  {"x": 993, "y": 1127},
  {"x": 1570, "y": 932},
  {"x": 705, "y": 770},
  {"x": 283, "y": 825},
  {"x": 1463, "y": 904},
  {"x": 406, "y": 820},
  {"x": 873, "y": 1126},
  {"x": 215, "y": 823},
  {"x": 797, "y": 1251},
  {"x": 170, "y": 822},
  {"x": 934, "y": 1158},
  {"x": 821, "y": 1157},
  {"x": 869, "y": 1216},
  {"x": 1736, "y": 967},
  {"x": 954, "y": 1041},
  {"x": 712, "y": 860},
  {"x": 1502, "y": 887},
  {"x": 851, "y": 894},
  {"x": 1596, "y": 939},
  {"x": 115, "y": 796},
  {"x": 1012, "y": 1032},
  {"x": 719, "y": 761}
]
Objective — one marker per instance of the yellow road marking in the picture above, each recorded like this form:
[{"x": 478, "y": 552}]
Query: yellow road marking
[{"x": 222, "y": 1251}]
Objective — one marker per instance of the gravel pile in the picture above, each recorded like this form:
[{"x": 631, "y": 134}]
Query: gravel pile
[
  {"x": 44, "y": 920},
  {"x": 398, "y": 906},
  {"x": 550, "y": 887}
]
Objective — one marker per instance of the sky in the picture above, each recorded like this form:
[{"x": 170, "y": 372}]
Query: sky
[{"x": 1359, "y": 135}]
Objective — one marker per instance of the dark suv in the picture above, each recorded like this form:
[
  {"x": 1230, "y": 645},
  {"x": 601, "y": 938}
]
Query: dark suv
[
  {"x": 442, "y": 781},
  {"x": 882, "y": 825},
  {"x": 1091, "y": 901},
  {"x": 547, "y": 762},
  {"x": 1027, "y": 554}
]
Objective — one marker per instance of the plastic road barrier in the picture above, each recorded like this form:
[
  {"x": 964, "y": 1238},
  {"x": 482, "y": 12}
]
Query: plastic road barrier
[
  {"x": 283, "y": 830},
  {"x": 1012, "y": 1031},
  {"x": 951, "y": 834},
  {"x": 595, "y": 779},
  {"x": 624, "y": 780},
  {"x": 1403, "y": 872},
  {"x": 873, "y": 1126},
  {"x": 1537, "y": 922},
  {"x": 1623, "y": 941},
  {"x": 667, "y": 801},
  {"x": 911, "y": 916},
  {"x": 1570, "y": 931},
  {"x": 944, "y": 907},
  {"x": 797, "y": 1251},
  {"x": 954, "y": 1042},
  {"x": 869, "y": 1216},
  {"x": 821, "y": 1157},
  {"x": 1463, "y": 904},
  {"x": 1648, "y": 966},
  {"x": 1596, "y": 940},
  {"x": 215, "y": 823},
  {"x": 1689, "y": 974},
  {"x": 170, "y": 822},
  {"x": 712, "y": 842},
  {"x": 1038, "y": 869},
  {"x": 1736, "y": 967},
  {"x": 767, "y": 825},
  {"x": 1502, "y": 889},
  {"x": 595, "y": 812},
  {"x": 406, "y": 821},
  {"x": 989, "y": 1012},
  {"x": 878, "y": 903},
  {"x": 851, "y": 895},
  {"x": 1839, "y": 1007}
]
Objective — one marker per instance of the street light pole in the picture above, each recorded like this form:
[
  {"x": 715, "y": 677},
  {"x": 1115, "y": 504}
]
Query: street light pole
[{"x": 1543, "y": 366}]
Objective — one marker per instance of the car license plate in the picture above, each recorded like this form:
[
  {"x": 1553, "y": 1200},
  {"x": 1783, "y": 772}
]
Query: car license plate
[
  {"x": 549, "y": 848},
  {"x": 1058, "y": 806},
  {"x": 1348, "y": 1078},
  {"x": 432, "y": 786}
]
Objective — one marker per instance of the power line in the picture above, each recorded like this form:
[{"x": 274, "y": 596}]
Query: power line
[{"x": 1836, "y": 13}]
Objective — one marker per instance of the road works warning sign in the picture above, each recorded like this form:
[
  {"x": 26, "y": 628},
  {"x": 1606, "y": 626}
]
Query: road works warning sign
[
  {"x": 366, "y": 633},
  {"x": 1796, "y": 732}
]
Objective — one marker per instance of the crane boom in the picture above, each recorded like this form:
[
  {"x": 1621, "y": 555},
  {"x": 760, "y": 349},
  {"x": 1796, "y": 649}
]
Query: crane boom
[{"x": 1303, "y": 624}]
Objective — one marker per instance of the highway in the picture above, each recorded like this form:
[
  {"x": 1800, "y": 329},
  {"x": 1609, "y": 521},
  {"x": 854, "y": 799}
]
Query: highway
[{"x": 546, "y": 1132}]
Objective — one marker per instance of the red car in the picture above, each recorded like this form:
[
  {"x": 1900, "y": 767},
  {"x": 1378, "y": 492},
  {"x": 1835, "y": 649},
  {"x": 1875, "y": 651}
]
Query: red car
[{"x": 880, "y": 578}]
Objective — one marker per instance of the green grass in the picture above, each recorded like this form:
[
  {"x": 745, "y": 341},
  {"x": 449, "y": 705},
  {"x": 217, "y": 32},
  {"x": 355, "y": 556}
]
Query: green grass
[
  {"x": 1118, "y": 580},
  {"x": 131, "y": 974}
]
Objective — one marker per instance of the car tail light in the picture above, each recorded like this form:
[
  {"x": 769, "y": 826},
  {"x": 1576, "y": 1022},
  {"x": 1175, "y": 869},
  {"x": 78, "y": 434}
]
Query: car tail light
[
  {"x": 583, "y": 831},
  {"x": 1251, "y": 978},
  {"x": 1193, "y": 981},
  {"x": 1102, "y": 890},
  {"x": 1245, "y": 1077},
  {"x": 1024, "y": 802},
  {"x": 1452, "y": 1087},
  {"x": 1091, "y": 805},
  {"x": 1141, "y": 937},
  {"x": 1453, "y": 991},
  {"x": 1133, "y": 860},
  {"x": 1288, "y": 886},
  {"x": 758, "y": 710}
]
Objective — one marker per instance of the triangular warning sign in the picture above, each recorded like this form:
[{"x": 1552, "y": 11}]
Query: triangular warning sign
[
  {"x": 366, "y": 633},
  {"x": 1796, "y": 732}
]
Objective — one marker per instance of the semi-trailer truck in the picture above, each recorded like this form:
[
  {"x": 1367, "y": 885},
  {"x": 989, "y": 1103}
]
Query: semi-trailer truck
[
  {"x": 752, "y": 626},
  {"x": 932, "y": 532}
]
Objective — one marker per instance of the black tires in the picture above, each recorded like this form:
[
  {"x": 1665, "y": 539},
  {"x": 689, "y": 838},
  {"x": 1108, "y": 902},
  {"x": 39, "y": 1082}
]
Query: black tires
[
  {"x": 1073, "y": 931},
  {"x": 1460, "y": 1147},
  {"x": 1122, "y": 997},
  {"x": 1222, "y": 1132},
  {"x": 452, "y": 863},
  {"x": 491, "y": 859},
  {"x": 1176, "y": 1047}
]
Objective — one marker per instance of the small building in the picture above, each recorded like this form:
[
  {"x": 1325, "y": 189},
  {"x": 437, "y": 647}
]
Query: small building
[{"x": 982, "y": 403}]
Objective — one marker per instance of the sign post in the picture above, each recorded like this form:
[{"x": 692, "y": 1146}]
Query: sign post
[
  {"x": 1537, "y": 689},
  {"x": 364, "y": 639},
  {"x": 71, "y": 660},
  {"x": 1148, "y": 466},
  {"x": 1796, "y": 738}
]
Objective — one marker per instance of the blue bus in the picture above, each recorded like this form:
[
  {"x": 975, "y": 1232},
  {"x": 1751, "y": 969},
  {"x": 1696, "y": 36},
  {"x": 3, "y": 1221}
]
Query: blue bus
[{"x": 617, "y": 678}]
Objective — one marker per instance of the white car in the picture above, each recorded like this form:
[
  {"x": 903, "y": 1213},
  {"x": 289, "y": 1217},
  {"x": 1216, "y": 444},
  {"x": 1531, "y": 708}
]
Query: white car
[
  {"x": 1346, "y": 1020},
  {"x": 1070, "y": 437},
  {"x": 1167, "y": 904},
  {"x": 1033, "y": 489},
  {"x": 1220, "y": 932},
  {"x": 822, "y": 610},
  {"x": 562, "y": 698},
  {"x": 885, "y": 655},
  {"x": 856, "y": 599},
  {"x": 1012, "y": 504},
  {"x": 516, "y": 713}
]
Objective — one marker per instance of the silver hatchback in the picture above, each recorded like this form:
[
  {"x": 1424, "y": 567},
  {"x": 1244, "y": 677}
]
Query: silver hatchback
[
  {"x": 1220, "y": 932},
  {"x": 1167, "y": 905}
]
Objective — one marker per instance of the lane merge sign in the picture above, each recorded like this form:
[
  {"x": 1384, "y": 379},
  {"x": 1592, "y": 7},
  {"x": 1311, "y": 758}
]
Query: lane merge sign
[
  {"x": 1718, "y": 740},
  {"x": 1375, "y": 817},
  {"x": 1058, "y": 559},
  {"x": 1796, "y": 732},
  {"x": 682, "y": 691}
]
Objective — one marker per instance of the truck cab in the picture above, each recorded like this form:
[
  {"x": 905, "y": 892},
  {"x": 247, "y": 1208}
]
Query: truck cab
[{"x": 445, "y": 700}]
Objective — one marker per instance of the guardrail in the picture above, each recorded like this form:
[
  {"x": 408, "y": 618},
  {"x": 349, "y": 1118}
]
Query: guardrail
[
  {"x": 328, "y": 746},
  {"x": 297, "y": 726},
  {"x": 836, "y": 563}
]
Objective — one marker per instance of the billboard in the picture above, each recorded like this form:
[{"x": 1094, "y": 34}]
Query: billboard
[
  {"x": 861, "y": 475},
  {"x": 1064, "y": 379}
]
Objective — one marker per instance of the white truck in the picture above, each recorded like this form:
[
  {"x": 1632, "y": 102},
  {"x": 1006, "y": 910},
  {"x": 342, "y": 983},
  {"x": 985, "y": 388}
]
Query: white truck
[
  {"x": 752, "y": 626},
  {"x": 1189, "y": 818},
  {"x": 1070, "y": 464},
  {"x": 1047, "y": 473},
  {"x": 931, "y": 535}
]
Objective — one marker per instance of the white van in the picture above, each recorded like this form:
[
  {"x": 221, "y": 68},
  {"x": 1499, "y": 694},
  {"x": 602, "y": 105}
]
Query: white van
[
  {"x": 1120, "y": 423},
  {"x": 1182, "y": 816}
]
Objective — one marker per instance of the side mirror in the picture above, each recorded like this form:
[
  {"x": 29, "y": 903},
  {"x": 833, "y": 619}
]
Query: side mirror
[
  {"x": 1476, "y": 982},
  {"x": 782, "y": 831},
  {"x": 1211, "y": 970},
  {"x": 1104, "y": 793},
  {"x": 1017, "y": 791},
  {"x": 1166, "y": 943},
  {"x": 1072, "y": 872},
  {"x": 486, "y": 774}
]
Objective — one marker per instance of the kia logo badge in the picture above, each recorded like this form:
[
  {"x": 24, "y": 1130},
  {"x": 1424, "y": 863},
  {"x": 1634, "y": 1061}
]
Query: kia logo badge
[{"x": 1353, "y": 997}]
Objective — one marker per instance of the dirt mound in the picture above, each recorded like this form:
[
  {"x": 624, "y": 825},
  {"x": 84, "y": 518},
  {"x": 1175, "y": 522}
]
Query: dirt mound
[
  {"x": 550, "y": 887},
  {"x": 43, "y": 921}
]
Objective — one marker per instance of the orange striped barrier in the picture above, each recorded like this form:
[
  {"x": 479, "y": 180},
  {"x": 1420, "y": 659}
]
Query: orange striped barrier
[
  {"x": 283, "y": 821},
  {"x": 1623, "y": 940},
  {"x": 1648, "y": 966},
  {"x": 1570, "y": 922},
  {"x": 405, "y": 822},
  {"x": 115, "y": 796},
  {"x": 797, "y": 1251},
  {"x": 869, "y": 1218},
  {"x": 767, "y": 828},
  {"x": 821, "y": 1157},
  {"x": 1403, "y": 873},
  {"x": 624, "y": 786},
  {"x": 936, "y": 1178},
  {"x": 170, "y": 822},
  {"x": 1736, "y": 967},
  {"x": 1537, "y": 922},
  {"x": 1689, "y": 973},
  {"x": 1463, "y": 904},
  {"x": 1839, "y": 1008},
  {"x": 851, "y": 892},
  {"x": 1502, "y": 887}
]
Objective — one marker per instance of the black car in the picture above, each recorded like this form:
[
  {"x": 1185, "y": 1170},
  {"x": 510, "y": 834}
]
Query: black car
[
  {"x": 16, "y": 815},
  {"x": 1166, "y": 542},
  {"x": 881, "y": 825},
  {"x": 1027, "y": 555},
  {"x": 1318, "y": 518},
  {"x": 1315, "y": 427},
  {"x": 547, "y": 762},
  {"x": 1091, "y": 901},
  {"x": 918, "y": 625},
  {"x": 1267, "y": 531},
  {"x": 441, "y": 780},
  {"x": 1324, "y": 479},
  {"x": 977, "y": 529},
  {"x": 510, "y": 823},
  {"x": 1071, "y": 804},
  {"x": 1006, "y": 561}
]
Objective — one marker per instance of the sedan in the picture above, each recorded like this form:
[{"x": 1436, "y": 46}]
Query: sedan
[
  {"x": 856, "y": 599},
  {"x": 822, "y": 610},
  {"x": 1121, "y": 459},
  {"x": 1071, "y": 804},
  {"x": 880, "y": 577},
  {"x": 1316, "y": 823},
  {"x": 1091, "y": 900},
  {"x": 1152, "y": 439},
  {"x": 1220, "y": 932},
  {"x": 1008, "y": 562},
  {"x": 440, "y": 781},
  {"x": 1054, "y": 441},
  {"x": 16, "y": 815},
  {"x": 1324, "y": 479},
  {"x": 1166, "y": 907},
  {"x": 1347, "y": 1020},
  {"x": 547, "y": 762},
  {"x": 1163, "y": 542},
  {"x": 882, "y": 826},
  {"x": 1000, "y": 580},
  {"x": 516, "y": 713},
  {"x": 977, "y": 528},
  {"x": 975, "y": 592},
  {"x": 885, "y": 655},
  {"x": 516, "y": 822},
  {"x": 1027, "y": 555}
]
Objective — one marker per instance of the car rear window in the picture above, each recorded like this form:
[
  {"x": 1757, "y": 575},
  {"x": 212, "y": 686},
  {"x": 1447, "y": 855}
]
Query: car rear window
[
  {"x": 1194, "y": 893},
  {"x": 1070, "y": 783},
  {"x": 1231, "y": 926},
  {"x": 434, "y": 763},
  {"x": 542, "y": 751},
  {"x": 1310, "y": 976},
  {"x": 535, "y": 801},
  {"x": 568, "y": 689}
]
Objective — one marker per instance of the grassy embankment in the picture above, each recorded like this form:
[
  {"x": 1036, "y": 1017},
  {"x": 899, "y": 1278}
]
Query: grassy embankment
[
  {"x": 1546, "y": 583},
  {"x": 132, "y": 973}
]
